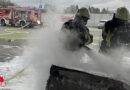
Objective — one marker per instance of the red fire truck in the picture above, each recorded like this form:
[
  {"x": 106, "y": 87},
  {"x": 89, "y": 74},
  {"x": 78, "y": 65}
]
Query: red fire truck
[
  {"x": 20, "y": 16},
  {"x": 66, "y": 18}
]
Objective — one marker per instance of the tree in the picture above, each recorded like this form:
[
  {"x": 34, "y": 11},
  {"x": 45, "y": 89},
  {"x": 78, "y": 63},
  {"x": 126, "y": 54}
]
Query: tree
[
  {"x": 104, "y": 10},
  {"x": 6, "y": 3},
  {"x": 49, "y": 7},
  {"x": 94, "y": 10},
  {"x": 71, "y": 9}
]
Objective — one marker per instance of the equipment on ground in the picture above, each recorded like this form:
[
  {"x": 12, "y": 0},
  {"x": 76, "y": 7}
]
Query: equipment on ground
[
  {"x": 62, "y": 78},
  {"x": 69, "y": 79}
]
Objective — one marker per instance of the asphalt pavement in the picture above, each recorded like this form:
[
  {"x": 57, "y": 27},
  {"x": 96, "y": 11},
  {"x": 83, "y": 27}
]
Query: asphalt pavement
[{"x": 13, "y": 39}]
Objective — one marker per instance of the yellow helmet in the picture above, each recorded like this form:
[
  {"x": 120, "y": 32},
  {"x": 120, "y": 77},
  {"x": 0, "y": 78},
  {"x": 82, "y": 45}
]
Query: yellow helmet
[
  {"x": 83, "y": 12},
  {"x": 122, "y": 13}
]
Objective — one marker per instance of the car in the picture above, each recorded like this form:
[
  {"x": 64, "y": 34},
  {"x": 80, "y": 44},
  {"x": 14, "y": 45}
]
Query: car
[{"x": 101, "y": 24}]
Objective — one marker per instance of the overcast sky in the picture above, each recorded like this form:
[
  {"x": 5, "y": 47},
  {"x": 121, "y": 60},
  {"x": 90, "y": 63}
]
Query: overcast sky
[{"x": 110, "y": 4}]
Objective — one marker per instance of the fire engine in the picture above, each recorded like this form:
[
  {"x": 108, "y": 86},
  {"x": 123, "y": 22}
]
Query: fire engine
[
  {"x": 20, "y": 16},
  {"x": 66, "y": 18}
]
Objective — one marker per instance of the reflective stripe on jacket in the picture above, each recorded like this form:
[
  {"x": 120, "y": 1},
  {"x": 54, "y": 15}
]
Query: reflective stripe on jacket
[{"x": 115, "y": 34}]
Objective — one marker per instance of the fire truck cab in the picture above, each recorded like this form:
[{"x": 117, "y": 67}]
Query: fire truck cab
[
  {"x": 20, "y": 16},
  {"x": 4, "y": 15}
]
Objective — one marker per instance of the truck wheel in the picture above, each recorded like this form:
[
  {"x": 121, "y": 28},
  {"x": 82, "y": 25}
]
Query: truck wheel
[
  {"x": 3, "y": 23},
  {"x": 22, "y": 23}
]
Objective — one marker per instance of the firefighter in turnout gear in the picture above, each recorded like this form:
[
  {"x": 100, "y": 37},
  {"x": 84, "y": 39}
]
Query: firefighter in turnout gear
[
  {"x": 79, "y": 33},
  {"x": 116, "y": 32},
  {"x": 77, "y": 36}
]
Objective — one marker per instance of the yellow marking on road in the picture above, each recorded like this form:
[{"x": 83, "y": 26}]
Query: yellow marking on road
[
  {"x": 12, "y": 38},
  {"x": 98, "y": 38}
]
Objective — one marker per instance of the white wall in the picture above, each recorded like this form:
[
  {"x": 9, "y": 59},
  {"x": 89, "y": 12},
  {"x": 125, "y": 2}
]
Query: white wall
[{"x": 95, "y": 18}]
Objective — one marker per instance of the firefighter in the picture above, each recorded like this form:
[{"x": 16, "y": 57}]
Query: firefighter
[
  {"x": 77, "y": 36},
  {"x": 116, "y": 32},
  {"x": 78, "y": 32}
]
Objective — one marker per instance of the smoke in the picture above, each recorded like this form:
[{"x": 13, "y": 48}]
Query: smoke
[
  {"x": 110, "y": 66},
  {"x": 49, "y": 49}
]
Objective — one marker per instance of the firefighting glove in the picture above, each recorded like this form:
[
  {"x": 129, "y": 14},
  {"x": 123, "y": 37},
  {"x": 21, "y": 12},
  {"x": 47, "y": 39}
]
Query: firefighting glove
[{"x": 89, "y": 39}]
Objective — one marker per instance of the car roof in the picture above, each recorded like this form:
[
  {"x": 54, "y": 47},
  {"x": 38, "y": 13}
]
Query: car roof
[{"x": 103, "y": 20}]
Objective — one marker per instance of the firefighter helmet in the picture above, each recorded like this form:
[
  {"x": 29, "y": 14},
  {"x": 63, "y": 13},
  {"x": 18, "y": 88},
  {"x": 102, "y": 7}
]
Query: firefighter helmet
[
  {"x": 122, "y": 13},
  {"x": 83, "y": 12}
]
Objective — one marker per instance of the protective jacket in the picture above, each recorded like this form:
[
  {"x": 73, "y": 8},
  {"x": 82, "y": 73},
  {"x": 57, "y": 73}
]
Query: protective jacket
[
  {"x": 116, "y": 33},
  {"x": 78, "y": 28}
]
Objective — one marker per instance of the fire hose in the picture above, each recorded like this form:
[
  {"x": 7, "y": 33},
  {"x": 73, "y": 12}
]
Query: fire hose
[{"x": 13, "y": 31}]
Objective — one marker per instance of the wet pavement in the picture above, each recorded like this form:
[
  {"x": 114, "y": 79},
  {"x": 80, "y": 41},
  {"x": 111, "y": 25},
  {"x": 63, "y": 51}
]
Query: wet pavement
[
  {"x": 12, "y": 43},
  {"x": 13, "y": 39}
]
